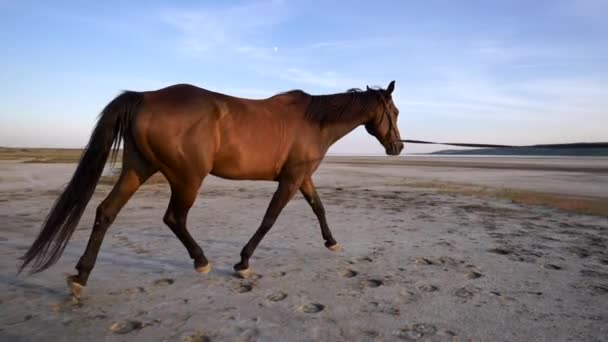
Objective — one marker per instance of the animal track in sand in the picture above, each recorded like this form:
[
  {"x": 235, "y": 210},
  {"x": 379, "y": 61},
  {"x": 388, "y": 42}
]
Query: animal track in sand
[
  {"x": 417, "y": 331},
  {"x": 349, "y": 273},
  {"x": 277, "y": 296},
  {"x": 473, "y": 275},
  {"x": 196, "y": 337},
  {"x": 129, "y": 291},
  {"x": 372, "y": 334},
  {"x": 312, "y": 308},
  {"x": 393, "y": 311},
  {"x": 428, "y": 288},
  {"x": 441, "y": 261},
  {"x": 551, "y": 267},
  {"x": 244, "y": 288},
  {"x": 278, "y": 274},
  {"x": 599, "y": 289},
  {"x": 579, "y": 251},
  {"x": 134, "y": 290},
  {"x": 163, "y": 282},
  {"x": 423, "y": 261},
  {"x": 372, "y": 283},
  {"x": 500, "y": 251},
  {"x": 125, "y": 327},
  {"x": 464, "y": 293},
  {"x": 250, "y": 276}
]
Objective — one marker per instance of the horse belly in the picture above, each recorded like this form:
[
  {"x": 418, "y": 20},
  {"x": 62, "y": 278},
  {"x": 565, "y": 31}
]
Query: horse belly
[{"x": 252, "y": 165}]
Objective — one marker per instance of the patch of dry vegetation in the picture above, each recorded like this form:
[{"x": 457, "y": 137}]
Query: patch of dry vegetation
[
  {"x": 112, "y": 178},
  {"x": 580, "y": 205},
  {"x": 42, "y": 155}
]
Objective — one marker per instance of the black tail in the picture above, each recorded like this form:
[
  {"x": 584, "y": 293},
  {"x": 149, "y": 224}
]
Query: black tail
[{"x": 112, "y": 126}]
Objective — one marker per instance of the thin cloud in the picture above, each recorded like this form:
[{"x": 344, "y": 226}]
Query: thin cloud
[
  {"x": 362, "y": 43},
  {"x": 327, "y": 79},
  {"x": 201, "y": 29}
]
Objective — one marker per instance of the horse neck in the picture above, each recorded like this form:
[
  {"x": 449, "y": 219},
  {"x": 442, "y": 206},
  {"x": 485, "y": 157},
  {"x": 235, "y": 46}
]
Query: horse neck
[{"x": 334, "y": 131}]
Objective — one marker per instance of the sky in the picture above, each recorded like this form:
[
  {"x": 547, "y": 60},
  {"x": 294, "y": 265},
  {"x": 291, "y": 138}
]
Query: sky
[{"x": 501, "y": 72}]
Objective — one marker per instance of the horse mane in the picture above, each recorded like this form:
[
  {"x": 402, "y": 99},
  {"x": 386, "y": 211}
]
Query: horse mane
[{"x": 336, "y": 107}]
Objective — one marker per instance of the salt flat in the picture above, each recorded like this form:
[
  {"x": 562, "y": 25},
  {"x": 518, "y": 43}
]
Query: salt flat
[{"x": 419, "y": 263}]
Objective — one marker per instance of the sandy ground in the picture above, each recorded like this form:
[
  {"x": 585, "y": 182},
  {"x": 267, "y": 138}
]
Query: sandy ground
[{"x": 417, "y": 264}]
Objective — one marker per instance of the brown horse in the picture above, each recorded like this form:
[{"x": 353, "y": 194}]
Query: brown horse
[{"x": 186, "y": 133}]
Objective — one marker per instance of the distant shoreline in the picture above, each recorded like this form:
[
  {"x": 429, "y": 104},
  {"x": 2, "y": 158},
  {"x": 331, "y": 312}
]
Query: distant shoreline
[
  {"x": 72, "y": 155},
  {"x": 530, "y": 151}
]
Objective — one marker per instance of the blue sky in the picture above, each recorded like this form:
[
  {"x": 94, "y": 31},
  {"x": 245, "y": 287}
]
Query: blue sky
[{"x": 513, "y": 72}]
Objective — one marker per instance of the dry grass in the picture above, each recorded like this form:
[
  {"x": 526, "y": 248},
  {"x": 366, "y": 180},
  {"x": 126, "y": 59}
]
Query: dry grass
[
  {"x": 41, "y": 155},
  {"x": 112, "y": 178},
  {"x": 580, "y": 205}
]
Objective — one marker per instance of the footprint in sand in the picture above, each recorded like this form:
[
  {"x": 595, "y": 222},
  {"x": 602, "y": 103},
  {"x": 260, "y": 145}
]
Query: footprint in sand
[
  {"x": 392, "y": 311},
  {"x": 472, "y": 275},
  {"x": 423, "y": 261},
  {"x": 349, "y": 273},
  {"x": 196, "y": 337},
  {"x": 501, "y": 251},
  {"x": 312, "y": 308},
  {"x": 417, "y": 331},
  {"x": 244, "y": 288},
  {"x": 551, "y": 267},
  {"x": 464, "y": 293},
  {"x": 134, "y": 290},
  {"x": 372, "y": 283},
  {"x": 594, "y": 274},
  {"x": 428, "y": 288},
  {"x": 372, "y": 334},
  {"x": 598, "y": 289},
  {"x": 249, "y": 276},
  {"x": 125, "y": 327},
  {"x": 277, "y": 296},
  {"x": 164, "y": 282}
]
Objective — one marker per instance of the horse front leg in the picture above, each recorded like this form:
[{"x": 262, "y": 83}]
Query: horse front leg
[
  {"x": 285, "y": 191},
  {"x": 310, "y": 193}
]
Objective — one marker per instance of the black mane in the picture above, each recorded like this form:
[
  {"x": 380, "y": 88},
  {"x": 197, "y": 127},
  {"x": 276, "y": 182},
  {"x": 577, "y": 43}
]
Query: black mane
[{"x": 335, "y": 107}]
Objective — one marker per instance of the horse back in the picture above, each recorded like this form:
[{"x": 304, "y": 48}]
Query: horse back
[{"x": 199, "y": 131}]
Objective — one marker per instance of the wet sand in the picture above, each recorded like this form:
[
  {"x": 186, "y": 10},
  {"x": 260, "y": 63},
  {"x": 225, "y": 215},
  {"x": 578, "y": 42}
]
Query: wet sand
[{"x": 418, "y": 263}]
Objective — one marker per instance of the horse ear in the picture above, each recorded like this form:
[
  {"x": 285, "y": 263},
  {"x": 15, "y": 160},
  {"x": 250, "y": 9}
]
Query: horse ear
[
  {"x": 391, "y": 87},
  {"x": 367, "y": 88}
]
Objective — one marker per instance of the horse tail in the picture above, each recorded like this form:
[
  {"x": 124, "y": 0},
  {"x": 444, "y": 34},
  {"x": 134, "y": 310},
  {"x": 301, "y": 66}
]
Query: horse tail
[{"x": 112, "y": 125}]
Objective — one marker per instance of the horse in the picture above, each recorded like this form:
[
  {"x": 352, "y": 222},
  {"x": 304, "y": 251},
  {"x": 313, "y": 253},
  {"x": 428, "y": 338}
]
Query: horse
[{"x": 185, "y": 133}]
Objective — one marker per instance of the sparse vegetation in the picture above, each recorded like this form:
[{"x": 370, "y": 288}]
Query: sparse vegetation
[
  {"x": 112, "y": 177},
  {"x": 42, "y": 155},
  {"x": 575, "y": 204}
]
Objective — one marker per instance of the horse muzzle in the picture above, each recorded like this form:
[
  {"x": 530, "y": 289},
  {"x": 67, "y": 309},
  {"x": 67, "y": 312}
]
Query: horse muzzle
[{"x": 394, "y": 148}]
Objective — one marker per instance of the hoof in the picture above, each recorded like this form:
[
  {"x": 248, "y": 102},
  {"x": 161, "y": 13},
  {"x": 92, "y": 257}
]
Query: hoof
[
  {"x": 75, "y": 288},
  {"x": 204, "y": 269},
  {"x": 334, "y": 248},
  {"x": 246, "y": 273}
]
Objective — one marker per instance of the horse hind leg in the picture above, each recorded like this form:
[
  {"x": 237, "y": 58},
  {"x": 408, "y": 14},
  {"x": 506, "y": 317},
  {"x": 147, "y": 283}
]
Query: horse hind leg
[
  {"x": 182, "y": 198},
  {"x": 135, "y": 172}
]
